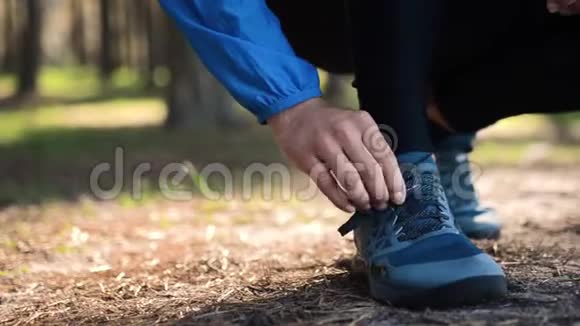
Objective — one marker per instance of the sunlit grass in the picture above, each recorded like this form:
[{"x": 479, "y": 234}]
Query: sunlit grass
[
  {"x": 7, "y": 85},
  {"x": 72, "y": 82},
  {"x": 525, "y": 153},
  {"x": 16, "y": 124},
  {"x": 77, "y": 98}
]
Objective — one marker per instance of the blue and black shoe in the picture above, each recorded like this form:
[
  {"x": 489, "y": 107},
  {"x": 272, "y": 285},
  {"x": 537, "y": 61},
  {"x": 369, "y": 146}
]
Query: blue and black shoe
[
  {"x": 475, "y": 220},
  {"x": 414, "y": 256}
]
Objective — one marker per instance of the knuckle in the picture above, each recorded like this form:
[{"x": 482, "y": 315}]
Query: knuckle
[
  {"x": 351, "y": 180},
  {"x": 385, "y": 197},
  {"x": 375, "y": 141},
  {"x": 375, "y": 173},
  {"x": 316, "y": 171},
  {"x": 324, "y": 143},
  {"x": 361, "y": 200},
  {"x": 391, "y": 175},
  {"x": 343, "y": 128},
  {"x": 339, "y": 200},
  {"x": 318, "y": 133},
  {"x": 324, "y": 180},
  {"x": 364, "y": 116},
  {"x": 365, "y": 174},
  {"x": 385, "y": 152},
  {"x": 378, "y": 192},
  {"x": 343, "y": 135},
  {"x": 343, "y": 167},
  {"x": 357, "y": 193},
  {"x": 390, "y": 155}
]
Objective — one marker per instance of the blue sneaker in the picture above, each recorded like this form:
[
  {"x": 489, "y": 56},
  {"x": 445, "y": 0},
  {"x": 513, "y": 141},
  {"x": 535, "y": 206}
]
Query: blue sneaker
[
  {"x": 475, "y": 220},
  {"x": 413, "y": 254}
]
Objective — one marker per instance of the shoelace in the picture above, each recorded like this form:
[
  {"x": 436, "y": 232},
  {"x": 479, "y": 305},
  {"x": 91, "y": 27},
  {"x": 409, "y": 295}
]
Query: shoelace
[
  {"x": 429, "y": 217},
  {"x": 431, "y": 214}
]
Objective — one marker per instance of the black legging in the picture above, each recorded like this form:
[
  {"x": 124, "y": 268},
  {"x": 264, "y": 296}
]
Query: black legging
[
  {"x": 530, "y": 63},
  {"x": 481, "y": 61},
  {"x": 393, "y": 44}
]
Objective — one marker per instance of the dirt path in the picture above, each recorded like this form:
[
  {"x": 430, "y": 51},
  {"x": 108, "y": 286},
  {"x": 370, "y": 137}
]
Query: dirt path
[{"x": 264, "y": 263}]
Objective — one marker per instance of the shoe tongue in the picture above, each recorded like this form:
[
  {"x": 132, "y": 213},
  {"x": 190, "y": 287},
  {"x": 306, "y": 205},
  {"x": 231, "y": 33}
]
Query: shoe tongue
[
  {"x": 420, "y": 227},
  {"x": 422, "y": 212},
  {"x": 414, "y": 164}
]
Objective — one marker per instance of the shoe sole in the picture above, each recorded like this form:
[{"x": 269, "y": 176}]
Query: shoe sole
[
  {"x": 491, "y": 235},
  {"x": 469, "y": 291}
]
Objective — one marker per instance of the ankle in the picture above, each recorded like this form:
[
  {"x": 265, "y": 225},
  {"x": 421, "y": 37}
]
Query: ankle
[{"x": 456, "y": 143}]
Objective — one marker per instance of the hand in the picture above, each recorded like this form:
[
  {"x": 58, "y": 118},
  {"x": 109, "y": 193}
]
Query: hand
[
  {"x": 343, "y": 151},
  {"x": 564, "y": 7}
]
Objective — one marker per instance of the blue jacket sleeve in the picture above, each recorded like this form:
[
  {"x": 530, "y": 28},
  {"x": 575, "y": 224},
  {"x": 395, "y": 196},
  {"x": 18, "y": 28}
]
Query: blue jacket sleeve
[{"x": 242, "y": 44}]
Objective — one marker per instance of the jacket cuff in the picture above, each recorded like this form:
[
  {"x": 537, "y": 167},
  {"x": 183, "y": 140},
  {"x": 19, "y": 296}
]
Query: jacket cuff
[{"x": 287, "y": 103}]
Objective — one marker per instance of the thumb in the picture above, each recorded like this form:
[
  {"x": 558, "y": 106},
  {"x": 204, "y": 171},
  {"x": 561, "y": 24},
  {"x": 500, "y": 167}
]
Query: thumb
[{"x": 553, "y": 6}]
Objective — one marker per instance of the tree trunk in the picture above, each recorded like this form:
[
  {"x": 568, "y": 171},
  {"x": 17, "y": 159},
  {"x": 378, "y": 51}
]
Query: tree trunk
[
  {"x": 128, "y": 32},
  {"x": 159, "y": 40},
  {"x": 563, "y": 134},
  {"x": 194, "y": 98},
  {"x": 106, "y": 60},
  {"x": 148, "y": 26},
  {"x": 30, "y": 50},
  {"x": 185, "y": 109},
  {"x": 78, "y": 42},
  {"x": 9, "y": 59}
]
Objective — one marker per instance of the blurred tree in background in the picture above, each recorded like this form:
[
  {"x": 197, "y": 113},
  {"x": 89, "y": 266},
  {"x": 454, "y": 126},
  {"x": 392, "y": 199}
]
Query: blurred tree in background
[
  {"x": 80, "y": 78},
  {"x": 30, "y": 47},
  {"x": 108, "y": 36},
  {"x": 192, "y": 85}
]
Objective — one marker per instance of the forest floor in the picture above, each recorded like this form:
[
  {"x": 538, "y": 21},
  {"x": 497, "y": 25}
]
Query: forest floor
[{"x": 266, "y": 263}]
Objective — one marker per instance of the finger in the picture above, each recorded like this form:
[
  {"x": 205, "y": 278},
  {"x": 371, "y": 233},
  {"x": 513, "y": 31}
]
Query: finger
[
  {"x": 325, "y": 182},
  {"x": 323, "y": 179},
  {"x": 562, "y": 4},
  {"x": 574, "y": 7},
  {"x": 566, "y": 7},
  {"x": 370, "y": 172},
  {"x": 346, "y": 174},
  {"x": 391, "y": 171},
  {"x": 553, "y": 6},
  {"x": 374, "y": 141}
]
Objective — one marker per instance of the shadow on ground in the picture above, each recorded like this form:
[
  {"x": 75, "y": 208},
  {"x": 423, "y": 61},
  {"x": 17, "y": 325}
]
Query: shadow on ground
[
  {"x": 55, "y": 164},
  {"x": 343, "y": 299}
]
